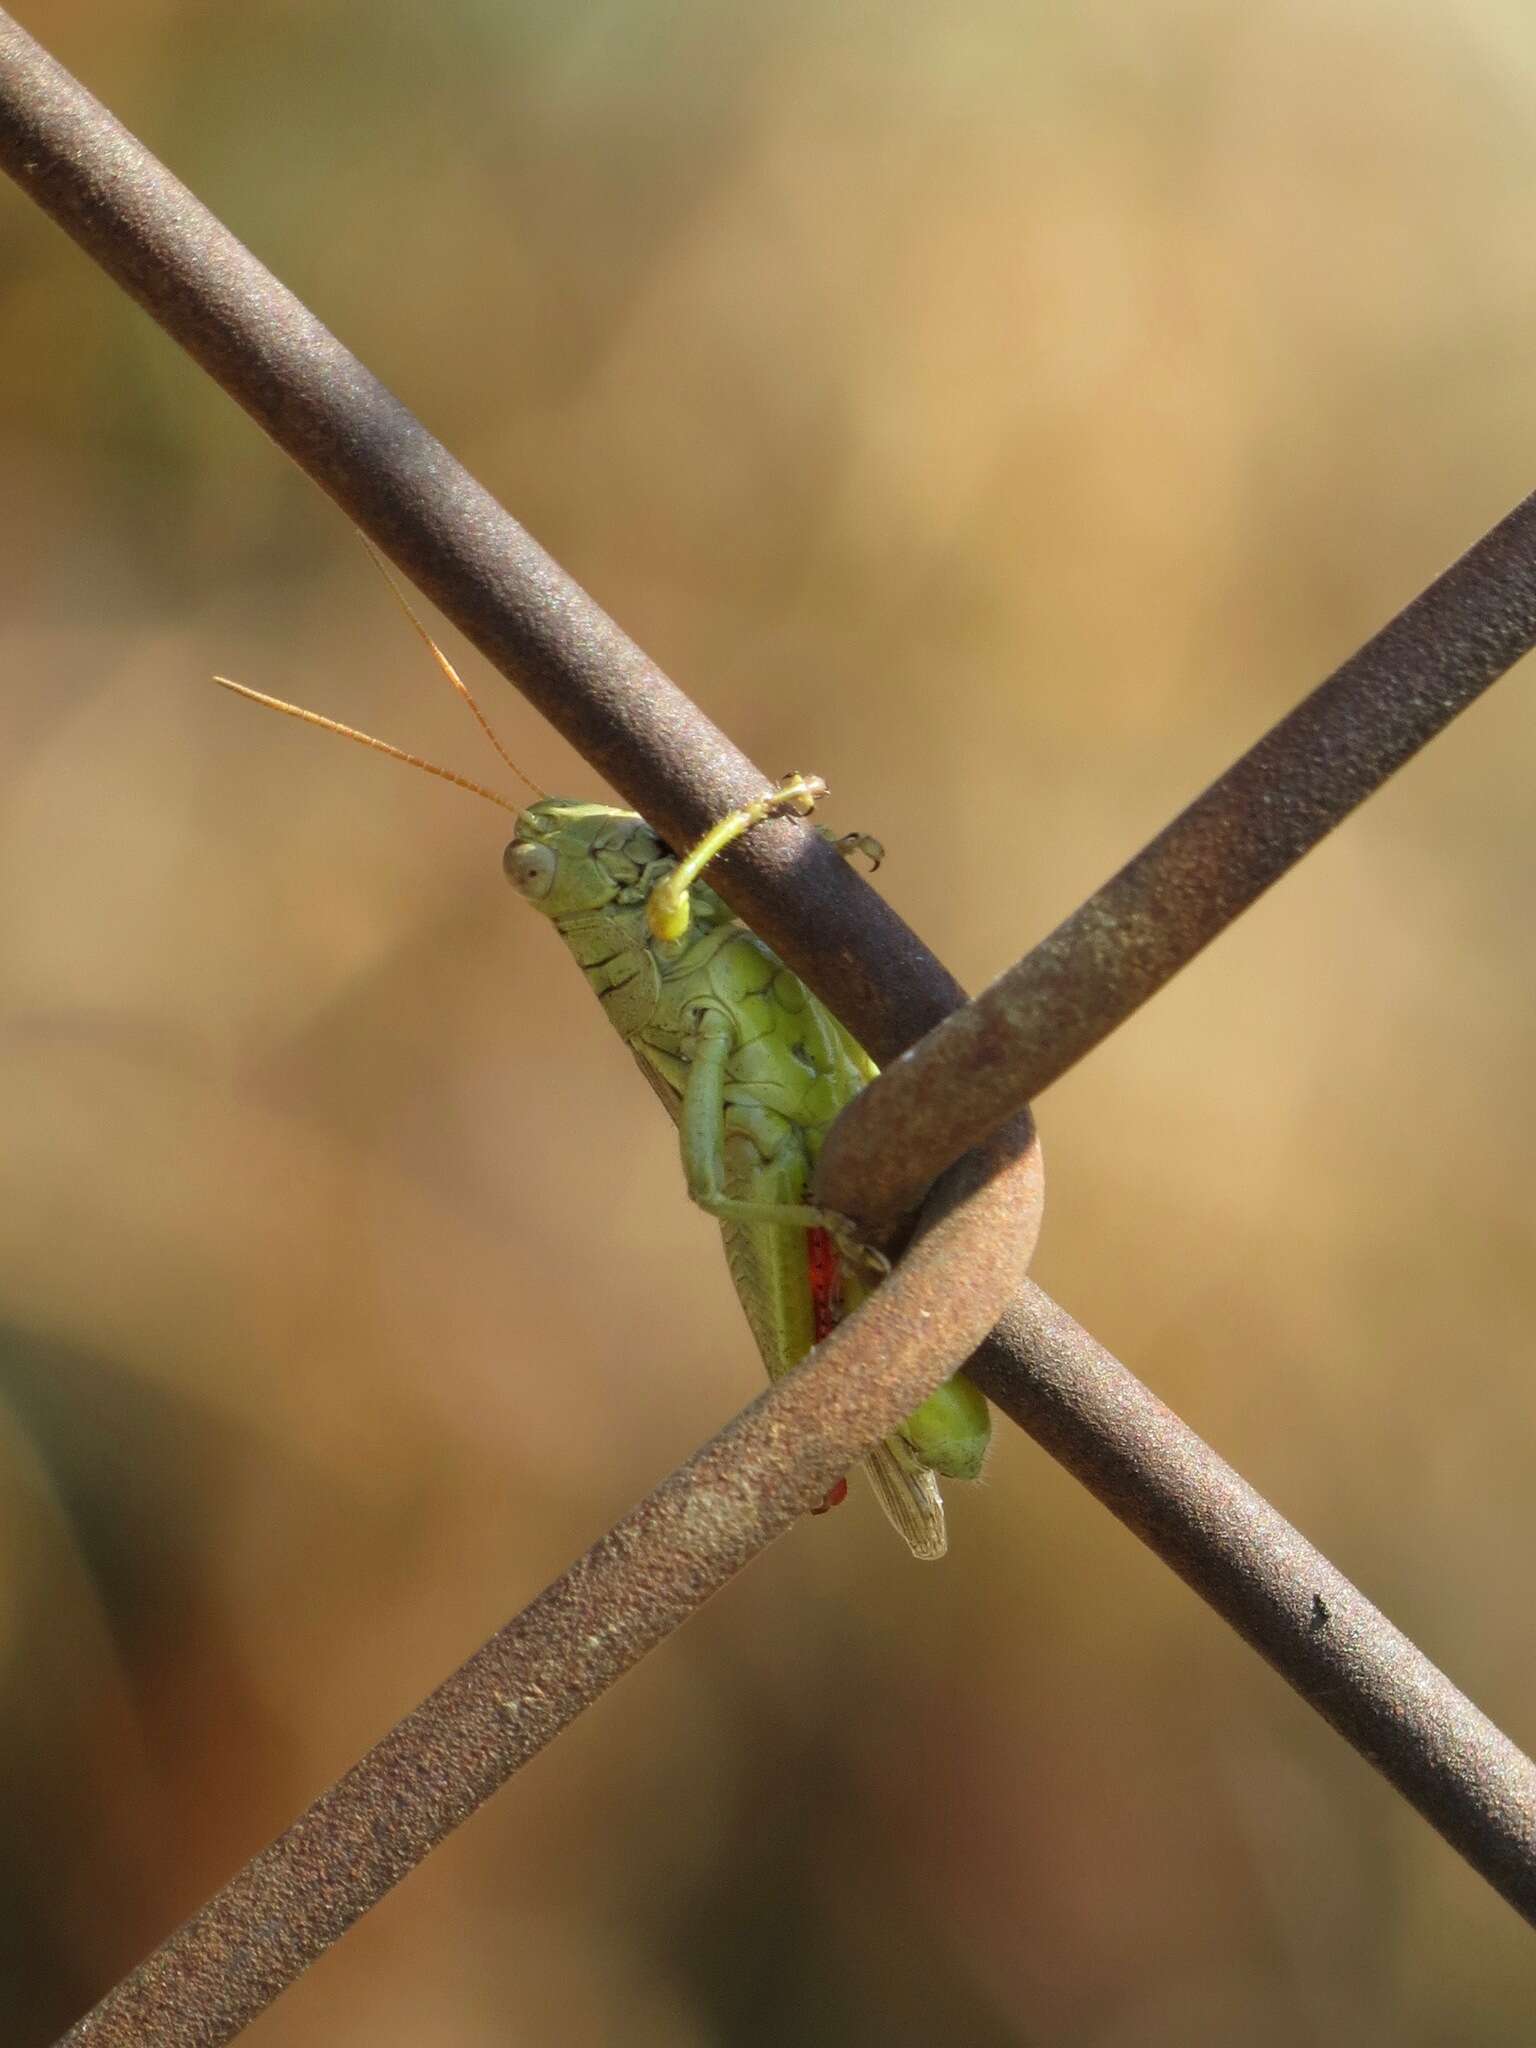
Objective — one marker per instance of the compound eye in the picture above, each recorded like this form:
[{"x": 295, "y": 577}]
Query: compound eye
[{"x": 530, "y": 869}]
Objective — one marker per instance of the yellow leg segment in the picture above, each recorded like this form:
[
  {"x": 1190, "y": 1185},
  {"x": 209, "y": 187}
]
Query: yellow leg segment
[{"x": 667, "y": 912}]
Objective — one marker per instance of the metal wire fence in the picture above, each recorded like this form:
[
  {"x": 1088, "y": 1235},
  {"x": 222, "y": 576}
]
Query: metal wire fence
[{"x": 955, "y": 1108}]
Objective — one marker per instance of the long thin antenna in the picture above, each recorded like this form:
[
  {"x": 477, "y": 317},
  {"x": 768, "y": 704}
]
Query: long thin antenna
[
  {"x": 366, "y": 739},
  {"x": 443, "y": 662}
]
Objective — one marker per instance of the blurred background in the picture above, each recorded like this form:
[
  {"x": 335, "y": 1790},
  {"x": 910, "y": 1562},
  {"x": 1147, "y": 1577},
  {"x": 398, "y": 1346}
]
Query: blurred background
[{"x": 1008, "y": 412}]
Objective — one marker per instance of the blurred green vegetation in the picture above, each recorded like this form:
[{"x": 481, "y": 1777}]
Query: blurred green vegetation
[{"x": 1007, "y": 414}]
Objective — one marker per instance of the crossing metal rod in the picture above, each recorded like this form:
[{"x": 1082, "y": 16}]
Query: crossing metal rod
[
  {"x": 1169, "y": 901},
  {"x": 637, "y": 1584},
  {"x": 1323, "y": 1636},
  {"x": 403, "y": 489}
]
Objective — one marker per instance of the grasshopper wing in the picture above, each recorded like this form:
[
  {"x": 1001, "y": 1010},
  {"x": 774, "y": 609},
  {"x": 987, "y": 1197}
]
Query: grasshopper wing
[{"x": 912, "y": 1501}]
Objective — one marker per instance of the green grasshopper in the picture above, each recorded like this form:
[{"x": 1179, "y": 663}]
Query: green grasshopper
[{"x": 751, "y": 1068}]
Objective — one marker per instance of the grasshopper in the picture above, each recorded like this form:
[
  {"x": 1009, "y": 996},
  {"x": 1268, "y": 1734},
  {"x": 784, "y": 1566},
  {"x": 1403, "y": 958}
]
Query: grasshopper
[{"x": 751, "y": 1068}]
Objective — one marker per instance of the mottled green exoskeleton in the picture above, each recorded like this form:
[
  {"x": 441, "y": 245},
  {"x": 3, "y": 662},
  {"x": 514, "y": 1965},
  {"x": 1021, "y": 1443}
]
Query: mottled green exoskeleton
[{"x": 752, "y": 1069}]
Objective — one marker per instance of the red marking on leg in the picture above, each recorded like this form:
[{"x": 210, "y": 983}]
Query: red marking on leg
[{"x": 824, "y": 1270}]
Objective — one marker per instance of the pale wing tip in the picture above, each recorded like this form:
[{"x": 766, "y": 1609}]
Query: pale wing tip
[{"x": 912, "y": 1502}]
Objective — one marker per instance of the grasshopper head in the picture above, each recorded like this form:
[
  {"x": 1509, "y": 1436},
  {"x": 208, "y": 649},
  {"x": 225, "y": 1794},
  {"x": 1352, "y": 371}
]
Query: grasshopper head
[{"x": 568, "y": 858}]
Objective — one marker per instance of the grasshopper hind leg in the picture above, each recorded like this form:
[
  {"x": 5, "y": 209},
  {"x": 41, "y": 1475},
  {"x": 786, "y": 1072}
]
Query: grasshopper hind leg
[{"x": 911, "y": 1499}]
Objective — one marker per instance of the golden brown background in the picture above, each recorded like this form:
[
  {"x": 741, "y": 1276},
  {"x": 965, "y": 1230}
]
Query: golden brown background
[{"x": 1007, "y": 411}]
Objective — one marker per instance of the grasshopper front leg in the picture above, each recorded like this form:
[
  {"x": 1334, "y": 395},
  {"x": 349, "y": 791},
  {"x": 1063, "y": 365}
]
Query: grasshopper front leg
[{"x": 667, "y": 912}]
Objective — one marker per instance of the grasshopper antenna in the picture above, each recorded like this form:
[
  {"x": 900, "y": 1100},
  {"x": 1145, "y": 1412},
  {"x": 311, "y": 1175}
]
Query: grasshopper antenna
[
  {"x": 366, "y": 739},
  {"x": 444, "y": 664}
]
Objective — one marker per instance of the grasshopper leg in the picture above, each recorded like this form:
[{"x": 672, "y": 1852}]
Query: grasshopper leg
[
  {"x": 667, "y": 912},
  {"x": 850, "y": 843},
  {"x": 701, "y": 1128}
]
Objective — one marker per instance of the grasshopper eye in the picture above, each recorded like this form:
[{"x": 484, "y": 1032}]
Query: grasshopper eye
[{"x": 530, "y": 869}]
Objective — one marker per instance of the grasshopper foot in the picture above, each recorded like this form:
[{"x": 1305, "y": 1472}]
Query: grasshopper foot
[
  {"x": 850, "y": 843},
  {"x": 834, "y": 1498},
  {"x": 797, "y": 794},
  {"x": 843, "y": 1232}
]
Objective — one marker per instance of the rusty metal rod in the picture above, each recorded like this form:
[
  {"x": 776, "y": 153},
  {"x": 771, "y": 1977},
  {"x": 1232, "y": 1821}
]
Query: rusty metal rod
[
  {"x": 1284, "y": 1598},
  {"x": 471, "y": 557},
  {"x": 1182, "y": 890},
  {"x": 642, "y": 1580}
]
